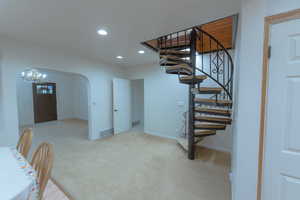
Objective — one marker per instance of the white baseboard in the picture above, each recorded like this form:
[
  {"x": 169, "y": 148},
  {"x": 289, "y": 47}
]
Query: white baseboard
[
  {"x": 160, "y": 135},
  {"x": 216, "y": 148}
]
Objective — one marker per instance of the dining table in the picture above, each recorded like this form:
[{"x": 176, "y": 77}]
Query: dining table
[{"x": 18, "y": 180}]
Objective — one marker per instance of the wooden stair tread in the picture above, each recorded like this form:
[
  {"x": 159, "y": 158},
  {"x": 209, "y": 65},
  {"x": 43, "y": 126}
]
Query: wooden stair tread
[
  {"x": 171, "y": 57},
  {"x": 180, "y": 66},
  {"x": 208, "y": 90},
  {"x": 190, "y": 79},
  {"x": 214, "y": 101},
  {"x": 210, "y": 126},
  {"x": 213, "y": 111},
  {"x": 203, "y": 77},
  {"x": 204, "y": 132},
  {"x": 213, "y": 119},
  {"x": 168, "y": 63},
  {"x": 182, "y": 69},
  {"x": 174, "y": 52}
]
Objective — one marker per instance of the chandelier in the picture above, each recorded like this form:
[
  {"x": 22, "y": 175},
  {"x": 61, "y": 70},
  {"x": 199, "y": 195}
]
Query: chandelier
[{"x": 33, "y": 75}]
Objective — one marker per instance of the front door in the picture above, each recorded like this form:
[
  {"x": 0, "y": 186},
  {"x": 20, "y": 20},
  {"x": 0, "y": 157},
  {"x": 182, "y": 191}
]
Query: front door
[
  {"x": 44, "y": 101},
  {"x": 121, "y": 105},
  {"x": 282, "y": 147}
]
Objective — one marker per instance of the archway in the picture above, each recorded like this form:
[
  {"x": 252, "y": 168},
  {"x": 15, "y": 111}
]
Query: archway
[{"x": 72, "y": 100}]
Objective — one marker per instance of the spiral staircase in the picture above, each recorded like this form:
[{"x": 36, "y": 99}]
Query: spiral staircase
[{"x": 205, "y": 65}]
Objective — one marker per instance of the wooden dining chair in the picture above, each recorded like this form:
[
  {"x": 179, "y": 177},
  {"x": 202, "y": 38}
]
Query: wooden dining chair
[
  {"x": 42, "y": 163},
  {"x": 25, "y": 142}
]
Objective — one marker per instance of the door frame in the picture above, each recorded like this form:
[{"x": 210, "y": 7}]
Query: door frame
[{"x": 268, "y": 22}]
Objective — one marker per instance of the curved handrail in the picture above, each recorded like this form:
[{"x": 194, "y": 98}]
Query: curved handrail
[
  {"x": 182, "y": 38},
  {"x": 222, "y": 48}
]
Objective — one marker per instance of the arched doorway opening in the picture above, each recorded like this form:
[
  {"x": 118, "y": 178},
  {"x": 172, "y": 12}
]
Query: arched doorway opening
[{"x": 56, "y": 108}]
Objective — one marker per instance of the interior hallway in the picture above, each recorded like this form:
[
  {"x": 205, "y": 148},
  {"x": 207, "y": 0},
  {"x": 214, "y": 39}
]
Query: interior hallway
[{"x": 131, "y": 166}]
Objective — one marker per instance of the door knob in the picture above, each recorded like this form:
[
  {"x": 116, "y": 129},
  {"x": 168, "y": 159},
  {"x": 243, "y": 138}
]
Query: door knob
[{"x": 115, "y": 110}]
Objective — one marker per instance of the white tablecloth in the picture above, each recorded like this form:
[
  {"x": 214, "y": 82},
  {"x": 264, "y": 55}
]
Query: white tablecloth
[{"x": 17, "y": 178}]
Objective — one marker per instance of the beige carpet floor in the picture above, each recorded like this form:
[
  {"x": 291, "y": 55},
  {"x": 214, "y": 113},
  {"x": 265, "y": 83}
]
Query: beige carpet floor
[{"x": 131, "y": 166}]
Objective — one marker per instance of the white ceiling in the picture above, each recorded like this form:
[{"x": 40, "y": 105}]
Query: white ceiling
[{"x": 71, "y": 25}]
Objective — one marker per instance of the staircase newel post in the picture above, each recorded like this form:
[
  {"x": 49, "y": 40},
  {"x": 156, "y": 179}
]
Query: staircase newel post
[{"x": 191, "y": 145}]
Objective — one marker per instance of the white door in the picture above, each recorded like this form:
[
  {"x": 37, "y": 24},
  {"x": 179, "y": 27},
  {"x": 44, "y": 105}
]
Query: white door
[
  {"x": 282, "y": 151},
  {"x": 121, "y": 105}
]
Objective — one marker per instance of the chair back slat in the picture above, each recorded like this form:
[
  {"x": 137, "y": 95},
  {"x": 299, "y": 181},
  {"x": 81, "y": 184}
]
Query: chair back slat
[
  {"x": 42, "y": 163},
  {"x": 25, "y": 142}
]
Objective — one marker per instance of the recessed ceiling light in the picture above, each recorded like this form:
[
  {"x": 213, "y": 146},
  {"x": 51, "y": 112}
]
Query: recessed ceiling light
[
  {"x": 141, "y": 52},
  {"x": 102, "y": 32},
  {"x": 120, "y": 57}
]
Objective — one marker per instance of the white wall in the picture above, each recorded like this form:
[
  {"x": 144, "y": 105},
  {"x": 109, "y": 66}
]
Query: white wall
[
  {"x": 80, "y": 97},
  {"x": 17, "y": 56},
  {"x": 162, "y": 92},
  {"x": 246, "y": 124},
  {"x": 247, "y": 119},
  {"x": 137, "y": 100},
  {"x": 278, "y": 6},
  {"x": 3, "y": 136},
  {"x": 64, "y": 94},
  {"x": 24, "y": 102},
  {"x": 71, "y": 94}
]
